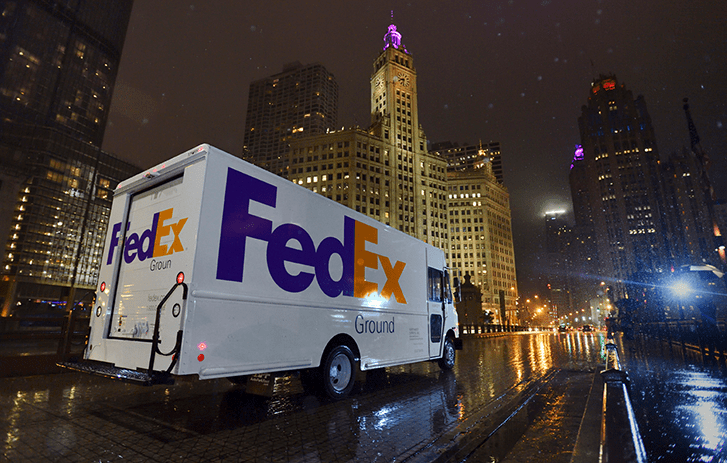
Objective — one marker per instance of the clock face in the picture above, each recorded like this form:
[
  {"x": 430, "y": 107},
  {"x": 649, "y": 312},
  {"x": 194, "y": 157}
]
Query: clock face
[
  {"x": 379, "y": 82},
  {"x": 403, "y": 80}
]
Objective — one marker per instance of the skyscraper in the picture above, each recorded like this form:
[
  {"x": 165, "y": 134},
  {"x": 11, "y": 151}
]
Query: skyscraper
[
  {"x": 298, "y": 102},
  {"x": 622, "y": 194},
  {"x": 558, "y": 237},
  {"x": 480, "y": 233},
  {"x": 60, "y": 64},
  {"x": 471, "y": 156},
  {"x": 385, "y": 170}
]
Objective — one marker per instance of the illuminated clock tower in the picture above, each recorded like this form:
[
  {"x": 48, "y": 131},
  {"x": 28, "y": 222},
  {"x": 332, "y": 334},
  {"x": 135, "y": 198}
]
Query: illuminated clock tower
[
  {"x": 394, "y": 94},
  {"x": 418, "y": 185},
  {"x": 384, "y": 170}
]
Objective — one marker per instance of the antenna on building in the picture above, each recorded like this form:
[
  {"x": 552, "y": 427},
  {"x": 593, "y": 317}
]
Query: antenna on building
[
  {"x": 704, "y": 162},
  {"x": 693, "y": 135},
  {"x": 696, "y": 146}
]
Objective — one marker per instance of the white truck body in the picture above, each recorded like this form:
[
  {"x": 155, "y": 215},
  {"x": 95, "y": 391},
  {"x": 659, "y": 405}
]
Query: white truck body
[{"x": 271, "y": 278}]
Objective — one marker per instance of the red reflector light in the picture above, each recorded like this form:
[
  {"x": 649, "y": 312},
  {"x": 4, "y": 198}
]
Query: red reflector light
[
  {"x": 103, "y": 286},
  {"x": 180, "y": 278},
  {"x": 200, "y": 357},
  {"x": 201, "y": 346}
]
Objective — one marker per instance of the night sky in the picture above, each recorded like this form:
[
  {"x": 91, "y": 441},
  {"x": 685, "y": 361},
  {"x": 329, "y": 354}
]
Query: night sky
[{"x": 512, "y": 71}]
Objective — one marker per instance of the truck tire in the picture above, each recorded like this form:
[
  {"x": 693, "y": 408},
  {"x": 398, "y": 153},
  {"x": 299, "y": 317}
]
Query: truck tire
[
  {"x": 337, "y": 372},
  {"x": 448, "y": 355}
]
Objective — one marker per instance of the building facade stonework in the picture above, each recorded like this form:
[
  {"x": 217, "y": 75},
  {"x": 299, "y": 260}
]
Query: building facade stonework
[
  {"x": 387, "y": 172},
  {"x": 481, "y": 244}
]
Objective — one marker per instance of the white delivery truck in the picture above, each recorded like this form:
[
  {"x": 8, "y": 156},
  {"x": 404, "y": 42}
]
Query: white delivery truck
[{"x": 217, "y": 268}]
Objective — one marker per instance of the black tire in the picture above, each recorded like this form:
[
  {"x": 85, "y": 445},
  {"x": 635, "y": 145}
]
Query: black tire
[
  {"x": 448, "y": 355},
  {"x": 338, "y": 372}
]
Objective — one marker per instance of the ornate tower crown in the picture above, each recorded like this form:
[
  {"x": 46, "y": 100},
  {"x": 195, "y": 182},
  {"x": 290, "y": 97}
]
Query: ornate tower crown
[{"x": 392, "y": 38}]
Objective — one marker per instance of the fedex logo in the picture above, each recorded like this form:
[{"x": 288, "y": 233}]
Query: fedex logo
[
  {"x": 149, "y": 243},
  {"x": 239, "y": 226}
]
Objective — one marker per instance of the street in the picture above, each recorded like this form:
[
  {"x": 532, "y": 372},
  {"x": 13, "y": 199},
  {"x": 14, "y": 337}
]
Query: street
[{"x": 397, "y": 414}]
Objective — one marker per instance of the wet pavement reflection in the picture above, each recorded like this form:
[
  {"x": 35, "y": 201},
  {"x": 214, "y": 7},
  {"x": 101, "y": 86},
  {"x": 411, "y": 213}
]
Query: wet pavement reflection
[
  {"x": 391, "y": 416},
  {"x": 680, "y": 400}
]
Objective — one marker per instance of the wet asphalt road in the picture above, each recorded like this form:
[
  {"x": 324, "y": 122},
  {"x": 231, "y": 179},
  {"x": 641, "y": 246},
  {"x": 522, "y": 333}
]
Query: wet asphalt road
[{"x": 394, "y": 415}]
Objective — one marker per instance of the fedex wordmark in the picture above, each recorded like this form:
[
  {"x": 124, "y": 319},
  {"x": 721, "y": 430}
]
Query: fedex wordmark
[{"x": 239, "y": 225}]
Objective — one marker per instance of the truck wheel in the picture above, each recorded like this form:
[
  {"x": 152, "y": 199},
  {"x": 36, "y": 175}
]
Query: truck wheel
[
  {"x": 337, "y": 372},
  {"x": 448, "y": 355}
]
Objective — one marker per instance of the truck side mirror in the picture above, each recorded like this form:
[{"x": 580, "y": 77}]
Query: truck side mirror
[{"x": 457, "y": 290}]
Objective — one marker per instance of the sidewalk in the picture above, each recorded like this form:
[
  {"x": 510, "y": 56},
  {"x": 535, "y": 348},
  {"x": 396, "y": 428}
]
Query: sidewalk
[{"x": 556, "y": 419}]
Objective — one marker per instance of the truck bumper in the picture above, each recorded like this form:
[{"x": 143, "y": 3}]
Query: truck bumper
[{"x": 142, "y": 378}]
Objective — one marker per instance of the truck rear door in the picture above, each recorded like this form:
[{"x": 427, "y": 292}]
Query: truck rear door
[{"x": 155, "y": 247}]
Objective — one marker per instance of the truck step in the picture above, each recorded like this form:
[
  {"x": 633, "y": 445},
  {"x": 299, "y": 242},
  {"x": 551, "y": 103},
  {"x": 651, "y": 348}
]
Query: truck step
[{"x": 142, "y": 378}]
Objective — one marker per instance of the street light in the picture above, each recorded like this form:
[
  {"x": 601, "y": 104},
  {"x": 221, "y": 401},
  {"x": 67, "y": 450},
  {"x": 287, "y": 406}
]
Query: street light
[{"x": 681, "y": 289}]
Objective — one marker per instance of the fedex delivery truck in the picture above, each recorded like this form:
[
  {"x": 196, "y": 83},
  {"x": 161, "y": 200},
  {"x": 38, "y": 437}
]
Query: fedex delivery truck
[{"x": 217, "y": 268}]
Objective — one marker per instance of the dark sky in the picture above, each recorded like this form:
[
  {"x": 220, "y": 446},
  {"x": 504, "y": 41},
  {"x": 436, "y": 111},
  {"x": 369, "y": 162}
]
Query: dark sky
[{"x": 514, "y": 71}]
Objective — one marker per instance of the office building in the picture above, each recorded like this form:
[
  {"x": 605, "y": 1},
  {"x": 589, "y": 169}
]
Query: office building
[
  {"x": 298, "y": 102},
  {"x": 471, "y": 156},
  {"x": 385, "y": 170},
  {"x": 695, "y": 228},
  {"x": 691, "y": 229},
  {"x": 558, "y": 240},
  {"x": 481, "y": 244},
  {"x": 61, "y": 61},
  {"x": 619, "y": 189}
]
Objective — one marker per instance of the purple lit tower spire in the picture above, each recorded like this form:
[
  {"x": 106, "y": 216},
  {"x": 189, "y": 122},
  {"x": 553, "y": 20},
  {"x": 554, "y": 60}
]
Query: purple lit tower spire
[
  {"x": 577, "y": 155},
  {"x": 393, "y": 37}
]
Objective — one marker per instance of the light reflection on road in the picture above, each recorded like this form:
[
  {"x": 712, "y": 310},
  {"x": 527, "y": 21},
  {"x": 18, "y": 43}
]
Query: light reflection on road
[
  {"x": 390, "y": 414},
  {"x": 680, "y": 399}
]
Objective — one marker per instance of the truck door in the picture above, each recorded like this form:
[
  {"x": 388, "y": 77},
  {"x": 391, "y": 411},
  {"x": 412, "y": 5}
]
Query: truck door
[
  {"x": 156, "y": 245},
  {"x": 435, "y": 310}
]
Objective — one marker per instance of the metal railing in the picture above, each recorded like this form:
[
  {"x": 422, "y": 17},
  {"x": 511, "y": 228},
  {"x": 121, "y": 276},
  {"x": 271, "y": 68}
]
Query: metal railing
[
  {"x": 708, "y": 338},
  {"x": 471, "y": 328},
  {"x": 620, "y": 437}
]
